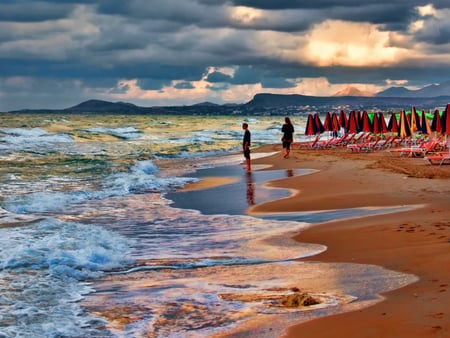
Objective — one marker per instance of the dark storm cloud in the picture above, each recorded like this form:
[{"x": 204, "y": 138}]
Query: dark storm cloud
[
  {"x": 277, "y": 83},
  {"x": 33, "y": 12},
  {"x": 184, "y": 85},
  {"x": 76, "y": 47},
  {"x": 218, "y": 77},
  {"x": 316, "y": 4}
]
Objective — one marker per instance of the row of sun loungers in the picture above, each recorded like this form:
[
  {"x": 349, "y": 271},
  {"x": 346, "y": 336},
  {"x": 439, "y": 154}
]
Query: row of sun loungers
[{"x": 431, "y": 149}]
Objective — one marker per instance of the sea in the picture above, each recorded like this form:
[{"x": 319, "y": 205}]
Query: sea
[{"x": 99, "y": 236}]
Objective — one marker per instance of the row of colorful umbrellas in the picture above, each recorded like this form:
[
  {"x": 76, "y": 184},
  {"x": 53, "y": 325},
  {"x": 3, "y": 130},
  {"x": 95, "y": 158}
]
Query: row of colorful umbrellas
[{"x": 404, "y": 125}]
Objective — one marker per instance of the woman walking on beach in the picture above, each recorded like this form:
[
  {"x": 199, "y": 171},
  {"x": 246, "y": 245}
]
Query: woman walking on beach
[
  {"x": 246, "y": 145},
  {"x": 288, "y": 136}
]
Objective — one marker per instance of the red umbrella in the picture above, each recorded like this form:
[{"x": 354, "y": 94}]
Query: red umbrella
[
  {"x": 335, "y": 122},
  {"x": 311, "y": 127},
  {"x": 404, "y": 129},
  {"x": 327, "y": 125},
  {"x": 352, "y": 123},
  {"x": 382, "y": 123},
  {"x": 365, "y": 125},
  {"x": 319, "y": 124},
  {"x": 445, "y": 120},
  {"x": 393, "y": 124},
  {"x": 343, "y": 119},
  {"x": 436, "y": 123},
  {"x": 376, "y": 124}
]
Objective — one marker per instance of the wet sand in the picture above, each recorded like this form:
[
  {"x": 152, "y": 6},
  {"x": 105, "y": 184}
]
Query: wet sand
[{"x": 414, "y": 241}]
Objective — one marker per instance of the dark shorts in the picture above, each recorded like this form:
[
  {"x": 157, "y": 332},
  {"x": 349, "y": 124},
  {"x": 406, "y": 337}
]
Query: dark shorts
[
  {"x": 287, "y": 144},
  {"x": 247, "y": 153}
]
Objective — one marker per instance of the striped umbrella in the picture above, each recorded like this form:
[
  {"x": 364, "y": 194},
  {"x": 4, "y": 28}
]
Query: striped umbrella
[
  {"x": 393, "y": 124},
  {"x": 365, "y": 125},
  {"x": 343, "y": 119},
  {"x": 382, "y": 123},
  {"x": 352, "y": 123},
  {"x": 436, "y": 122},
  {"x": 311, "y": 127},
  {"x": 319, "y": 124},
  {"x": 414, "y": 120},
  {"x": 445, "y": 121},
  {"x": 424, "y": 125},
  {"x": 335, "y": 122},
  {"x": 327, "y": 124},
  {"x": 404, "y": 129}
]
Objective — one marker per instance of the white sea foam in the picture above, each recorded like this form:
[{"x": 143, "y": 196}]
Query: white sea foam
[
  {"x": 43, "y": 264},
  {"x": 122, "y": 132}
]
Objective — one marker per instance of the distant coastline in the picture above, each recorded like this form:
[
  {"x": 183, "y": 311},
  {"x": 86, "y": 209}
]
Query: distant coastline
[{"x": 261, "y": 104}]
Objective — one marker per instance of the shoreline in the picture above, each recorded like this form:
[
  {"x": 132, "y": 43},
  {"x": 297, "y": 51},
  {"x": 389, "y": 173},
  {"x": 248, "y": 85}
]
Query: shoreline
[{"x": 413, "y": 241}]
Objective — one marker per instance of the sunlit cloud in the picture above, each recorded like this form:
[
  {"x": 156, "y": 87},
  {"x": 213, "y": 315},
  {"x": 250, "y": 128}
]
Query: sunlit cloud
[{"x": 333, "y": 43}]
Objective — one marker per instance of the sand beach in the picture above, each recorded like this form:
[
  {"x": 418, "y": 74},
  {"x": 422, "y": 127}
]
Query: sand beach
[{"x": 415, "y": 241}]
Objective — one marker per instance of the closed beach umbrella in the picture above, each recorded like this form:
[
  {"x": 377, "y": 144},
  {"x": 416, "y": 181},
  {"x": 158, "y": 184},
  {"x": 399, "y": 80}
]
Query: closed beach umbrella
[
  {"x": 335, "y": 122},
  {"x": 352, "y": 124},
  {"x": 424, "y": 125},
  {"x": 311, "y": 128},
  {"x": 382, "y": 123},
  {"x": 365, "y": 124},
  {"x": 404, "y": 129},
  {"x": 436, "y": 122},
  {"x": 445, "y": 121},
  {"x": 376, "y": 124},
  {"x": 327, "y": 124},
  {"x": 393, "y": 124},
  {"x": 319, "y": 124},
  {"x": 414, "y": 120},
  {"x": 343, "y": 119}
]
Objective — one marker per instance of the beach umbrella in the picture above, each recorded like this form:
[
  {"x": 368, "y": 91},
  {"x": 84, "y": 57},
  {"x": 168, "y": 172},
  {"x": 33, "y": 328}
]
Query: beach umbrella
[
  {"x": 403, "y": 126},
  {"x": 327, "y": 124},
  {"x": 311, "y": 127},
  {"x": 445, "y": 121},
  {"x": 319, "y": 124},
  {"x": 335, "y": 122},
  {"x": 343, "y": 119},
  {"x": 376, "y": 124},
  {"x": 365, "y": 125},
  {"x": 414, "y": 123},
  {"x": 352, "y": 123},
  {"x": 392, "y": 124},
  {"x": 424, "y": 125},
  {"x": 436, "y": 122},
  {"x": 382, "y": 123}
]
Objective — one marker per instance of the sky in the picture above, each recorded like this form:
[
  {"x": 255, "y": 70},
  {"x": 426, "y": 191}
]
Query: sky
[{"x": 57, "y": 53}]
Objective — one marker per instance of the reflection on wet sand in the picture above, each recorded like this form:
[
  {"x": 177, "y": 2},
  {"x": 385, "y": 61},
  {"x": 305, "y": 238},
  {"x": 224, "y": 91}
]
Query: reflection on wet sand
[{"x": 250, "y": 189}]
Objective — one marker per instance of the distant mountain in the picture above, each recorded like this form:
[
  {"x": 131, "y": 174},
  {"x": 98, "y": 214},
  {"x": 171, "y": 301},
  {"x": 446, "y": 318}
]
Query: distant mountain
[
  {"x": 353, "y": 91},
  {"x": 434, "y": 90},
  {"x": 206, "y": 104},
  {"x": 99, "y": 106}
]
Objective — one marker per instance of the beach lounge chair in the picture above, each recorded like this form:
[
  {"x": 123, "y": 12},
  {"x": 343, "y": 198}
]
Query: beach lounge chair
[
  {"x": 415, "y": 151},
  {"x": 355, "y": 147},
  {"x": 438, "y": 159},
  {"x": 307, "y": 145},
  {"x": 387, "y": 143}
]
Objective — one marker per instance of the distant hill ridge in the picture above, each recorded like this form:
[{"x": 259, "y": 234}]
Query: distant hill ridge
[{"x": 428, "y": 97}]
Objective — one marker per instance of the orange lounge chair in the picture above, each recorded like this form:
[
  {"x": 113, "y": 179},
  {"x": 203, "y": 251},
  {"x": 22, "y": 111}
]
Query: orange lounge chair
[
  {"x": 307, "y": 145},
  {"x": 438, "y": 159},
  {"x": 415, "y": 151}
]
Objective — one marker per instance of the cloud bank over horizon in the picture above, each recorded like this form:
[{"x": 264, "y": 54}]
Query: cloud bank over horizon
[{"x": 55, "y": 54}]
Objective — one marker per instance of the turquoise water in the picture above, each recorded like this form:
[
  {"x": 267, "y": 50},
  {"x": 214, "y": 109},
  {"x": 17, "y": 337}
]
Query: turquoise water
[{"x": 93, "y": 245}]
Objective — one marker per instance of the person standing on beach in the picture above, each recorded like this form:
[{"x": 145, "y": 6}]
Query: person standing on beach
[
  {"x": 288, "y": 136},
  {"x": 246, "y": 145}
]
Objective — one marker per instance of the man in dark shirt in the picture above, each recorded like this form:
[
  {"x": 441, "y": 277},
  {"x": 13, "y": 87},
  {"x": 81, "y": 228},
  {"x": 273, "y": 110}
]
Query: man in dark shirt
[{"x": 246, "y": 145}]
